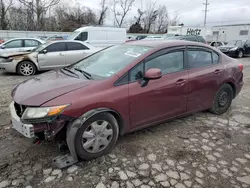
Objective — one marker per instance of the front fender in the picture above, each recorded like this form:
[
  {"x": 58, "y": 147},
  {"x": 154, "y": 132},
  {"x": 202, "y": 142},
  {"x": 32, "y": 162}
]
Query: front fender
[{"x": 73, "y": 127}]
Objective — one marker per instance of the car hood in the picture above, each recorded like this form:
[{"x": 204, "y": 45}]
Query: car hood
[
  {"x": 41, "y": 89},
  {"x": 6, "y": 55}
]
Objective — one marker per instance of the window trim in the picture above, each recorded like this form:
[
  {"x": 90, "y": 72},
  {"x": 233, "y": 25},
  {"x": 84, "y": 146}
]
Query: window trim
[
  {"x": 200, "y": 48},
  {"x": 152, "y": 56},
  {"x": 22, "y": 43},
  {"x": 46, "y": 48},
  {"x": 67, "y": 49}
]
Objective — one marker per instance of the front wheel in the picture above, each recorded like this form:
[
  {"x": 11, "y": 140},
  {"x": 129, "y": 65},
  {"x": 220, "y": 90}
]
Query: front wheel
[
  {"x": 223, "y": 99},
  {"x": 26, "y": 68},
  {"x": 240, "y": 54},
  {"x": 97, "y": 136}
]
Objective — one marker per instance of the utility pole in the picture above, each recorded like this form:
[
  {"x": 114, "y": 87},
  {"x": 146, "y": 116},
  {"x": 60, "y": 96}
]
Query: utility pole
[{"x": 205, "y": 18}]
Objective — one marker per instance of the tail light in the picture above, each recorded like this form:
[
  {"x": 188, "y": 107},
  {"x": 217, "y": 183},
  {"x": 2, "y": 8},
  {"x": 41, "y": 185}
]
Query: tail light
[{"x": 241, "y": 67}]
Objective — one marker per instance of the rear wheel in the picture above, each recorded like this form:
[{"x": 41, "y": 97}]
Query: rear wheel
[
  {"x": 223, "y": 99},
  {"x": 97, "y": 136},
  {"x": 26, "y": 68}
]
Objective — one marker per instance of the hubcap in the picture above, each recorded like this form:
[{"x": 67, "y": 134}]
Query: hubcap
[
  {"x": 26, "y": 69},
  {"x": 97, "y": 136},
  {"x": 223, "y": 99}
]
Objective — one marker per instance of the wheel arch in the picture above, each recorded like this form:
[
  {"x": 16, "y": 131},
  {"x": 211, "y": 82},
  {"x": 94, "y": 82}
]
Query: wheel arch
[
  {"x": 24, "y": 61},
  {"x": 73, "y": 127},
  {"x": 233, "y": 87}
]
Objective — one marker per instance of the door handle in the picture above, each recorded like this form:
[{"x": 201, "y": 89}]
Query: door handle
[
  {"x": 181, "y": 82},
  {"x": 218, "y": 71},
  {"x": 61, "y": 54}
]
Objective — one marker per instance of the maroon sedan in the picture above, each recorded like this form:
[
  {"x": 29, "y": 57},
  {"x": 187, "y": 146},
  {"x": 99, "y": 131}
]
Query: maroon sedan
[{"x": 122, "y": 89}]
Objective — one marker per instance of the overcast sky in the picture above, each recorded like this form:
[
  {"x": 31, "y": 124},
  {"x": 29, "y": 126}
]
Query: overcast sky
[{"x": 190, "y": 11}]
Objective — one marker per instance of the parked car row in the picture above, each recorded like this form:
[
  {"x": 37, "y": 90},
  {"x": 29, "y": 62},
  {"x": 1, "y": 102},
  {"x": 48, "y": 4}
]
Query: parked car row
[
  {"x": 119, "y": 90},
  {"x": 47, "y": 56}
]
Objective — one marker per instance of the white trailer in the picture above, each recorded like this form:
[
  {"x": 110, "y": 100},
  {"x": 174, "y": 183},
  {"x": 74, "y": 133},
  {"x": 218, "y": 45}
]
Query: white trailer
[
  {"x": 226, "y": 33},
  {"x": 222, "y": 33},
  {"x": 205, "y": 32}
]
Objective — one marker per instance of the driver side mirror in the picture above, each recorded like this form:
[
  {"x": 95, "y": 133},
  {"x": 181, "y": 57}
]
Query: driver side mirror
[
  {"x": 44, "y": 51},
  {"x": 2, "y": 47},
  {"x": 151, "y": 74}
]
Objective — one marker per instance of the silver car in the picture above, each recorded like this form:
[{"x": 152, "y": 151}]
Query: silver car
[
  {"x": 47, "y": 56},
  {"x": 19, "y": 44}
]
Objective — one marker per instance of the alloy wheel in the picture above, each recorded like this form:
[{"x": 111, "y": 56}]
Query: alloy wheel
[{"x": 26, "y": 69}]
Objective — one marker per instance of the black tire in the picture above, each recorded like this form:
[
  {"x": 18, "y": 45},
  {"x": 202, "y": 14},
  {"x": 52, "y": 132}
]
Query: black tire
[
  {"x": 30, "y": 65},
  {"x": 240, "y": 54},
  {"x": 80, "y": 150},
  {"x": 221, "y": 105}
]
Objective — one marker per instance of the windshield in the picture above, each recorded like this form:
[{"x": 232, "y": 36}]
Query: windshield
[
  {"x": 232, "y": 42},
  {"x": 73, "y": 35},
  {"x": 111, "y": 60},
  {"x": 40, "y": 47}
]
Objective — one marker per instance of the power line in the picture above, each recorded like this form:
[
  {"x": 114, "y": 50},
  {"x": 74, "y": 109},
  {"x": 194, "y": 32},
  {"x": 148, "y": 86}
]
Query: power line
[{"x": 205, "y": 17}]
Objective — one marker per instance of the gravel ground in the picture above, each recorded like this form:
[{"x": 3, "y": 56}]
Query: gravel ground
[{"x": 201, "y": 150}]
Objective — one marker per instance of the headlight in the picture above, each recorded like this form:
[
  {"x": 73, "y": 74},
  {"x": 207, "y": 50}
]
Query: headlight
[
  {"x": 6, "y": 60},
  {"x": 43, "y": 112},
  {"x": 234, "y": 48}
]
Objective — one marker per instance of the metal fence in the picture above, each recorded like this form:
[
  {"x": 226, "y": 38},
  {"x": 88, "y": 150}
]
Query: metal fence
[{"x": 9, "y": 34}]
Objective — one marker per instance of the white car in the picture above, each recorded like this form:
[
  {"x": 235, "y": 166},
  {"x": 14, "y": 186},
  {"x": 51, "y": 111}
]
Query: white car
[
  {"x": 19, "y": 45},
  {"x": 47, "y": 56}
]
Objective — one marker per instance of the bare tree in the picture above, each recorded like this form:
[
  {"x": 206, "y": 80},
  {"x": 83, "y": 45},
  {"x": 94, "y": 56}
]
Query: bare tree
[
  {"x": 162, "y": 20},
  {"x": 5, "y": 5},
  {"x": 121, "y": 9},
  {"x": 175, "y": 19},
  {"x": 17, "y": 18},
  {"x": 151, "y": 14},
  {"x": 40, "y": 8},
  {"x": 103, "y": 12},
  {"x": 140, "y": 14}
]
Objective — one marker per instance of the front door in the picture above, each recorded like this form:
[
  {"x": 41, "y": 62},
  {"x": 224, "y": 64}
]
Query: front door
[
  {"x": 75, "y": 52},
  {"x": 13, "y": 46},
  {"x": 53, "y": 56},
  {"x": 163, "y": 98},
  {"x": 206, "y": 74}
]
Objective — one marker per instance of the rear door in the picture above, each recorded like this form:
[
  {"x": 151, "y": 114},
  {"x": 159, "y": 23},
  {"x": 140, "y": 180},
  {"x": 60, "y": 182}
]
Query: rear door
[
  {"x": 247, "y": 47},
  {"x": 29, "y": 44},
  {"x": 206, "y": 74},
  {"x": 53, "y": 56},
  {"x": 75, "y": 52}
]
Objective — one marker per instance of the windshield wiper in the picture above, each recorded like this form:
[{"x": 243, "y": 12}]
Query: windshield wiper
[
  {"x": 69, "y": 70},
  {"x": 86, "y": 74}
]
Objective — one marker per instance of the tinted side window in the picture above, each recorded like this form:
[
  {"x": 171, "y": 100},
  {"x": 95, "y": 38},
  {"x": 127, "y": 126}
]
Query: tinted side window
[
  {"x": 76, "y": 46},
  {"x": 137, "y": 72},
  {"x": 57, "y": 47},
  {"x": 14, "y": 44},
  {"x": 215, "y": 58},
  {"x": 83, "y": 36},
  {"x": 31, "y": 43},
  {"x": 199, "y": 58},
  {"x": 167, "y": 63}
]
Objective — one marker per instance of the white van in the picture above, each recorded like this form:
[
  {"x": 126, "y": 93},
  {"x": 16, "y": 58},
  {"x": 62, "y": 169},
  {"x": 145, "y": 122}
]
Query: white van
[{"x": 100, "y": 36}]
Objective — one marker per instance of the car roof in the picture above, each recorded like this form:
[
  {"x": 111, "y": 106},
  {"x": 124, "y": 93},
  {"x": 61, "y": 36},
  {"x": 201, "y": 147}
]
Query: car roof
[{"x": 165, "y": 43}]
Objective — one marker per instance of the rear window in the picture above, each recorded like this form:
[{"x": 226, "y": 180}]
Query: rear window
[
  {"x": 201, "y": 39},
  {"x": 76, "y": 46}
]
